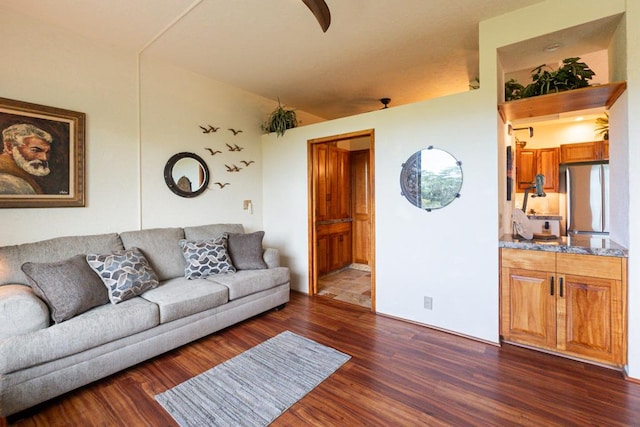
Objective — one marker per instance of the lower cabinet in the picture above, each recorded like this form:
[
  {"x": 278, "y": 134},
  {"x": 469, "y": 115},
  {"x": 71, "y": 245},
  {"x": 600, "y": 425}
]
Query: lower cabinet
[
  {"x": 333, "y": 250},
  {"x": 565, "y": 303}
]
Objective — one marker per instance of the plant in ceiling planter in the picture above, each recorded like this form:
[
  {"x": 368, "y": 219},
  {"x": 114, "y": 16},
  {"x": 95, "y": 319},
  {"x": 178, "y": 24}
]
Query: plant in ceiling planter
[
  {"x": 571, "y": 75},
  {"x": 280, "y": 120},
  {"x": 603, "y": 127}
]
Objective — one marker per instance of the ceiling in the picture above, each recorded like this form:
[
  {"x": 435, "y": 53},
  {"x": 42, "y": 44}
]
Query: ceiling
[{"x": 408, "y": 50}]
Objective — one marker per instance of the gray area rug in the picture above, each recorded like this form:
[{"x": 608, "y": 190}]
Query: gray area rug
[{"x": 255, "y": 387}]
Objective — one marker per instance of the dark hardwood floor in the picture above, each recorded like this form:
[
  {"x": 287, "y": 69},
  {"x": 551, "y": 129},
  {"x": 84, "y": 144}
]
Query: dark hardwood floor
[{"x": 400, "y": 374}]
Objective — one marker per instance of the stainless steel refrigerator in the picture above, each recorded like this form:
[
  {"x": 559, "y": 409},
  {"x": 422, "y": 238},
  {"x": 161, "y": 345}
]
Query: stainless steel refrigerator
[{"x": 587, "y": 198}]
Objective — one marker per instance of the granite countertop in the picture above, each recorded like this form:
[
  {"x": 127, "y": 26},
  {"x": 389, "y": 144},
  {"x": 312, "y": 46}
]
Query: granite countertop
[
  {"x": 585, "y": 244},
  {"x": 545, "y": 217}
]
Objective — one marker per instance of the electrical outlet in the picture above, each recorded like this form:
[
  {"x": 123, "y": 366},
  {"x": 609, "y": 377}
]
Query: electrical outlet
[{"x": 428, "y": 303}]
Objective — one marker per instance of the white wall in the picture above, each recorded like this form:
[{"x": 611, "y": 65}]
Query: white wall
[
  {"x": 633, "y": 93},
  {"x": 443, "y": 253},
  {"x": 49, "y": 66},
  {"x": 174, "y": 103}
]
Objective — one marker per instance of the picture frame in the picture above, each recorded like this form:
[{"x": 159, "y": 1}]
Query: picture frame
[{"x": 42, "y": 156}]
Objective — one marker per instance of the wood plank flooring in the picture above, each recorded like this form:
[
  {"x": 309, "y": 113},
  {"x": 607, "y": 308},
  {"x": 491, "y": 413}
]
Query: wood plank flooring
[{"x": 400, "y": 374}]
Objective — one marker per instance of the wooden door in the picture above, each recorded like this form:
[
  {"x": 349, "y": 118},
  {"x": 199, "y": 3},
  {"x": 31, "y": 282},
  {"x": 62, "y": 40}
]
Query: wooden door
[
  {"x": 548, "y": 162},
  {"x": 592, "y": 308},
  {"x": 343, "y": 185},
  {"x": 361, "y": 206},
  {"x": 581, "y": 152},
  {"x": 526, "y": 168},
  {"x": 321, "y": 181},
  {"x": 528, "y": 307},
  {"x": 588, "y": 319}
]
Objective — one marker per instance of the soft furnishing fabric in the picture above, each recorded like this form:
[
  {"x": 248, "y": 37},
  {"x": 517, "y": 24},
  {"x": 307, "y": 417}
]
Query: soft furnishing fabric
[
  {"x": 126, "y": 274},
  {"x": 246, "y": 250},
  {"x": 68, "y": 287}
]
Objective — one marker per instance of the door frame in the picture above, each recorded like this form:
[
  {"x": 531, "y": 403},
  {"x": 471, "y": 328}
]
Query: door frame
[{"x": 311, "y": 215}]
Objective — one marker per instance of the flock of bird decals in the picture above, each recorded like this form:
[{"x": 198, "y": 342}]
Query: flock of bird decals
[
  {"x": 230, "y": 147},
  {"x": 210, "y": 129}
]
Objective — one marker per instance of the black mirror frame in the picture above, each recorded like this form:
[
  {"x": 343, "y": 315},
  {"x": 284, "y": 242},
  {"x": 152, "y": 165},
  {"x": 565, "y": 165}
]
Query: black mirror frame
[
  {"x": 173, "y": 186},
  {"x": 410, "y": 177}
]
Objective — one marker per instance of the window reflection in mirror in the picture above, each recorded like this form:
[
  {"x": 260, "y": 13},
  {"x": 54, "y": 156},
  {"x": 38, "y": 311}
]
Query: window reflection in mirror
[{"x": 431, "y": 179}]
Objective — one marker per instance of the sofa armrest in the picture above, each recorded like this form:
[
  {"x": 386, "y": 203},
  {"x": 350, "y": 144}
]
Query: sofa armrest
[
  {"x": 271, "y": 256},
  {"x": 21, "y": 311}
]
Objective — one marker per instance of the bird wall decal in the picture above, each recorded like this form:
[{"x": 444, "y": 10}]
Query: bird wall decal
[
  {"x": 235, "y": 132},
  {"x": 213, "y": 153},
  {"x": 221, "y": 184},
  {"x": 234, "y": 147},
  {"x": 247, "y": 163},
  {"x": 209, "y": 129},
  {"x": 233, "y": 168}
]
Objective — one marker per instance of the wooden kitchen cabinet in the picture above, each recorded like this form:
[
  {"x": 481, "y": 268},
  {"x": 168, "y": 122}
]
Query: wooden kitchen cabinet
[
  {"x": 530, "y": 162},
  {"x": 565, "y": 303},
  {"x": 584, "y": 152},
  {"x": 333, "y": 182},
  {"x": 333, "y": 247}
]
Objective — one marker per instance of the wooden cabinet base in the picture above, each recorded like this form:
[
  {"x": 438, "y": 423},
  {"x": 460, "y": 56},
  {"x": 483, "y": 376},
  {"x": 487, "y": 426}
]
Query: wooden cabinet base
[{"x": 568, "y": 304}]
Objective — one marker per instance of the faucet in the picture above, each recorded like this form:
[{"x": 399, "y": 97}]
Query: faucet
[{"x": 538, "y": 185}]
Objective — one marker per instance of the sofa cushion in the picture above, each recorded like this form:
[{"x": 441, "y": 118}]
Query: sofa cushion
[
  {"x": 125, "y": 273},
  {"x": 93, "y": 328},
  {"x": 58, "y": 249},
  {"x": 181, "y": 297},
  {"x": 69, "y": 287},
  {"x": 246, "y": 250},
  {"x": 247, "y": 282},
  {"x": 211, "y": 231},
  {"x": 206, "y": 257},
  {"x": 21, "y": 311},
  {"x": 160, "y": 247}
]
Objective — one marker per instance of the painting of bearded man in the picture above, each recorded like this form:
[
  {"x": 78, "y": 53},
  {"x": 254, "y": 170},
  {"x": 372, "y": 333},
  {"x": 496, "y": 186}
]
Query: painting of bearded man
[
  {"x": 25, "y": 155},
  {"x": 41, "y": 156}
]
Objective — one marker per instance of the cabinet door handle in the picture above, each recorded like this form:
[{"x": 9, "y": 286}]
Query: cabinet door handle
[
  {"x": 551, "y": 285},
  {"x": 561, "y": 290}
]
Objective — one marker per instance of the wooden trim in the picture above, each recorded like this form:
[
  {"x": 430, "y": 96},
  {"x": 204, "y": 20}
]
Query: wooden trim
[
  {"x": 604, "y": 95},
  {"x": 311, "y": 212}
]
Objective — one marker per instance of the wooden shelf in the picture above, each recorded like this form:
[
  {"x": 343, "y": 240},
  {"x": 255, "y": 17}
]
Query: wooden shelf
[{"x": 562, "y": 102}]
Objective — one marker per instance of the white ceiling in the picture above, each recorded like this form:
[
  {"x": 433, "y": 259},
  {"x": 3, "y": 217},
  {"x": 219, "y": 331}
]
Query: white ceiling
[{"x": 407, "y": 50}]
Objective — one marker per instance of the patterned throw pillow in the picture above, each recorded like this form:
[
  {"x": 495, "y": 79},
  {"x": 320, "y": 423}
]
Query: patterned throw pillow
[
  {"x": 126, "y": 274},
  {"x": 206, "y": 257}
]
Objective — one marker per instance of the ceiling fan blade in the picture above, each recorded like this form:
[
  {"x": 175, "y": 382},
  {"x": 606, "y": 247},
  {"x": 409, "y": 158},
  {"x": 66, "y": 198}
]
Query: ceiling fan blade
[{"x": 321, "y": 12}]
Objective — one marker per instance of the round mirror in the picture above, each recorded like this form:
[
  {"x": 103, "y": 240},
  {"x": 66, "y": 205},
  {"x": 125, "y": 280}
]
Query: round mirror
[
  {"x": 186, "y": 174},
  {"x": 431, "y": 179}
]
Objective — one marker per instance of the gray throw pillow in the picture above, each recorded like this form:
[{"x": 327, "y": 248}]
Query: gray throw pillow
[
  {"x": 68, "y": 287},
  {"x": 246, "y": 250},
  {"x": 126, "y": 273},
  {"x": 206, "y": 257}
]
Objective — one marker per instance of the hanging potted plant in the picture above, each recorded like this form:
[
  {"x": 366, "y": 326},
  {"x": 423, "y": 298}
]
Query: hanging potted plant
[{"x": 280, "y": 120}]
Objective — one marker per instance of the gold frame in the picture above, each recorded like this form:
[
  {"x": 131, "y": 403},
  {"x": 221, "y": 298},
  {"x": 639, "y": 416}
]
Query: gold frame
[{"x": 65, "y": 185}]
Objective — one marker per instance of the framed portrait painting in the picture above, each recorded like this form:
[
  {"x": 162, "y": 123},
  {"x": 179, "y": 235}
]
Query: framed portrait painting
[{"x": 42, "y": 156}]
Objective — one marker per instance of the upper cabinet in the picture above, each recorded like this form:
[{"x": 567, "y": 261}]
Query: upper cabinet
[
  {"x": 530, "y": 162},
  {"x": 584, "y": 152},
  {"x": 562, "y": 102}
]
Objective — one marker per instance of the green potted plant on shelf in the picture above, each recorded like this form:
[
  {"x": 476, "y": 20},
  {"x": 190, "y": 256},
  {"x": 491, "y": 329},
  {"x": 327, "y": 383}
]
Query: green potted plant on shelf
[
  {"x": 573, "y": 74},
  {"x": 603, "y": 127},
  {"x": 280, "y": 120}
]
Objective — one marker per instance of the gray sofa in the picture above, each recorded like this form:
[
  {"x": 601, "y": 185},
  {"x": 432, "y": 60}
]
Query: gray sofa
[{"x": 40, "y": 359}]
